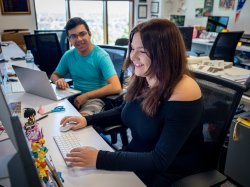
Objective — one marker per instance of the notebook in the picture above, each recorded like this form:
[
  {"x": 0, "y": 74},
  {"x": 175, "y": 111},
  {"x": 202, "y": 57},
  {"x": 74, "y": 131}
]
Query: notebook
[{"x": 36, "y": 82}]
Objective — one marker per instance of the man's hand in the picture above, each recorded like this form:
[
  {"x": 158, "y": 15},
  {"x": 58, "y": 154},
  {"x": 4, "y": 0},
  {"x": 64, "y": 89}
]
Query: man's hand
[
  {"x": 82, "y": 157},
  {"x": 62, "y": 84},
  {"x": 80, "y": 100}
]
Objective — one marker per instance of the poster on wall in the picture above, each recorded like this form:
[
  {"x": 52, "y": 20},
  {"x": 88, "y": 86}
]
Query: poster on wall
[
  {"x": 199, "y": 12},
  {"x": 239, "y": 8},
  {"x": 227, "y": 4},
  {"x": 208, "y": 7}
]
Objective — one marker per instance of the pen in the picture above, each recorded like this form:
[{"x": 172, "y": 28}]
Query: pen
[{"x": 42, "y": 117}]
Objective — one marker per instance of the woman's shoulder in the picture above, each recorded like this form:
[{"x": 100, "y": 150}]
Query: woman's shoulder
[{"x": 187, "y": 89}]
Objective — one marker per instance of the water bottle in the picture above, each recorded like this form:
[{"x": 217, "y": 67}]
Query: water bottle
[{"x": 29, "y": 57}]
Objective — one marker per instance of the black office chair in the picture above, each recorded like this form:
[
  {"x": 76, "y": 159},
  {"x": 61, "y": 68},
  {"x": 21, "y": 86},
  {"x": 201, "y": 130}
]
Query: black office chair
[
  {"x": 46, "y": 50},
  {"x": 225, "y": 45},
  {"x": 221, "y": 99},
  {"x": 122, "y": 41},
  {"x": 117, "y": 55},
  {"x": 187, "y": 35},
  {"x": 62, "y": 37}
]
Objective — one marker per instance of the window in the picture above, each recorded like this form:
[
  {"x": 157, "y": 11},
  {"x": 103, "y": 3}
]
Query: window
[
  {"x": 118, "y": 20},
  {"x": 93, "y": 17},
  {"x": 108, "y": 20},
  {"x": 50, "y": 15}
]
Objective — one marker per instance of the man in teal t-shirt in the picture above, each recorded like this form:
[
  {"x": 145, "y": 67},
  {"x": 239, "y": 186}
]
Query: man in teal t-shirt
[{"x": 90, "y": 68}]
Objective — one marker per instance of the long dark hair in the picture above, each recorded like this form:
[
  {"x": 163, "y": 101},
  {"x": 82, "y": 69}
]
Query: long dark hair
[{"x": 165, "y": 46}]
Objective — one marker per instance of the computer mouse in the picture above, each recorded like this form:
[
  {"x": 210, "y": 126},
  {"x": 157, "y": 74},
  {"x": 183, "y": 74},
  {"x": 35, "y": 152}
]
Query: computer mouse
[{"x": 67, "y": 127}]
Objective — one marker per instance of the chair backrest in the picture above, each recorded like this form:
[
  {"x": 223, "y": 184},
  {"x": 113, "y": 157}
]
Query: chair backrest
[
  {"x": 187, "y": 34},
  {"x": 46, "y": 50},
  {"x": 122, "y": 41},
  {"x": 62, "y": 37},
  {"x": 117, "y": 55},
  {"x": 221, "y": 99},
  {"x": 225, "y": 45}
]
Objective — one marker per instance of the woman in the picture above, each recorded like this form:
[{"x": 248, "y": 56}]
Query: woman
[{"x": 163, "y": 109}]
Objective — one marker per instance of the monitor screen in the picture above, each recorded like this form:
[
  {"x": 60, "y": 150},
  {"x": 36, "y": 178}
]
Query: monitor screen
[
  {"x": 5, "y": 115},
  {"x": 21, "y": 167},
  {"x": 179, "y": 20},
  {"x": 217, "y": 23},
  {"x": 187, "y": 34},
  {"x": 1, "y": 52}
]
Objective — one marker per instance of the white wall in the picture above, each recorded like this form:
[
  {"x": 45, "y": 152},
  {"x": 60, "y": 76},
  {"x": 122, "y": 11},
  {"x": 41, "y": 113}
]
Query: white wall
[
  {"x": 167, "y": 7},
  {"x": 241, "y": 24},
  {"x": 19, "y": 21}
]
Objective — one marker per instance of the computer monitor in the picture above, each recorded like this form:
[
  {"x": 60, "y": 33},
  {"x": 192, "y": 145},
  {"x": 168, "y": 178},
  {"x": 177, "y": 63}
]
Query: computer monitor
[
  {"x": 117, "y": 55},
  {"x": 216, "y": 23},
  {"x": 187, "y": 34},
  {"x": 179, "y": 20},
  {"x": 5, "y": 114},
  {"x": 22, "y": 170},
  {"x": 1, "y": 53}
]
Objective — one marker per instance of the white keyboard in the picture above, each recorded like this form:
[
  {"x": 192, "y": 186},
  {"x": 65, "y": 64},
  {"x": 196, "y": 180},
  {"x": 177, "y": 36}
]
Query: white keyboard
[
  {"x": 16, "y": 87},
  {"x": 65, "y": 143}
]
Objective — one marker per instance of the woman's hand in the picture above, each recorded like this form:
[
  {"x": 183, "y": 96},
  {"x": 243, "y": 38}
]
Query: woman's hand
[
  {"x": 80, "y": 122},
  {"x": 82, "y": 157}
]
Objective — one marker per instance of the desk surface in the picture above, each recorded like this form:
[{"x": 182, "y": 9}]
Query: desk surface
[
  {"x": 88, "y": 137},
  {"x": 12, "y": 50},
  {"x": 208, "y": 43}
]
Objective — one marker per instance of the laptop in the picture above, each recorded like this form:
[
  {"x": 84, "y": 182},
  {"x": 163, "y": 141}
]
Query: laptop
[{"x": 36, "y": 82}]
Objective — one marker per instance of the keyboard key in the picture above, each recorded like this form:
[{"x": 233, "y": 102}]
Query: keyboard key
[
  {"x": 16, "y": 87},
  {"x": 65, "y": 143}
]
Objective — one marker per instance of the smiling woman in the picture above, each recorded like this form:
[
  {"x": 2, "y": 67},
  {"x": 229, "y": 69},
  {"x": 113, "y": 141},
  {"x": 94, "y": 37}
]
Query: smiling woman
[{"x": 9, "y": 7}]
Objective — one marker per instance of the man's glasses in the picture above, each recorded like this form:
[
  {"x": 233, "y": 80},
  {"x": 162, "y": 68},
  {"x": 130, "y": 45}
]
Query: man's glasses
[{"x": 73, "y": 37}]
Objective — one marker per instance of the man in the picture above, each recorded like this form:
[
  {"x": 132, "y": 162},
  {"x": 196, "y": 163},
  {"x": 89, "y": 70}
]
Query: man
[{"x": 90, "y": 68}]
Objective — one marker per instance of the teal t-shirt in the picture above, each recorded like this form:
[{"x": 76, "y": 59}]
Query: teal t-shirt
[{"x": 87, "y": 72}]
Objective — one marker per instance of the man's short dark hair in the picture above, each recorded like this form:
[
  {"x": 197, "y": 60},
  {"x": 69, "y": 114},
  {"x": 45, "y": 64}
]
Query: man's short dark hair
[{"x": 73, "y": 22}]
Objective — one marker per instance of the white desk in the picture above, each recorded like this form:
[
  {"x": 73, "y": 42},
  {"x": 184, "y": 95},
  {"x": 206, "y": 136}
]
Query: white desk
[
  {"x": 12, "y": 50},
  {"x": 88, "y": 136},
  {"x": 204, "y": 45}
]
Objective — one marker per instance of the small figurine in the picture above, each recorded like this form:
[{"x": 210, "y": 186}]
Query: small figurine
[{"x": 30, "y": 113}]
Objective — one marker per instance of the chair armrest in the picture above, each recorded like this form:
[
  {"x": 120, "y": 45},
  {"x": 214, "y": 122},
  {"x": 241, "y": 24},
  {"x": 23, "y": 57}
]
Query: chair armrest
[
  {"x": 117, "y": 96},
  {"x": 203, "y": 179},
  {"x": 112, "y": 128}
]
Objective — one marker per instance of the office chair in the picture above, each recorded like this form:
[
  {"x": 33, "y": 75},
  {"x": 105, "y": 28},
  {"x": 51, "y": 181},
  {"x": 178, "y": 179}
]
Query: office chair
[
  {"x": 117, "y": 55},
  {"x": 62, "y": 38},
  {"x": 46, "y": 50},
  {"x": 187, "y": 35},
  {"x": 225, "y": 45},
  {"x": 122, "y": 41},
  {"x": 221, "y": 99}
]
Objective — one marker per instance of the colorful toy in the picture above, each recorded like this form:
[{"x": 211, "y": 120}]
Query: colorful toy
[{"x": 35, "y": 136}]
